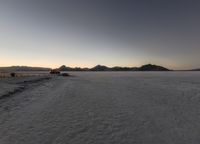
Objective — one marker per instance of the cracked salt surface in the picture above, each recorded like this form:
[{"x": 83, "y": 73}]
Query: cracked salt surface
[{"x": 105, "y": 108}]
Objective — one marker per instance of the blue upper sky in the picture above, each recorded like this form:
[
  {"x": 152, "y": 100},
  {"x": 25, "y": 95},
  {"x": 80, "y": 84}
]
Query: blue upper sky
[{"x": 109, "y": 32}]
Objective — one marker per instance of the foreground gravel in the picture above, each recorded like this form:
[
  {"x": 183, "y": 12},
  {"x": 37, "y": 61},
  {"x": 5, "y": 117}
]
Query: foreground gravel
[{"x": 105, "y": 108}]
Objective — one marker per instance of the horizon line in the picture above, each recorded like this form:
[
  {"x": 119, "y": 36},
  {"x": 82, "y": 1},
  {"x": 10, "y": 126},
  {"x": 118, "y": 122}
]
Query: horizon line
[{"x": 94, "y": 66}]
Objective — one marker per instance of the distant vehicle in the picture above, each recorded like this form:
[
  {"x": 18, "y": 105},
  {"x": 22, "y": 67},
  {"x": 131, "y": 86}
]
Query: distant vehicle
[{"x": 54, "y": 71}]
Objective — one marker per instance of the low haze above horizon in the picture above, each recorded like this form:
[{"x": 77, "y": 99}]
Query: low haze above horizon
[{"x": 84, "y": 33}]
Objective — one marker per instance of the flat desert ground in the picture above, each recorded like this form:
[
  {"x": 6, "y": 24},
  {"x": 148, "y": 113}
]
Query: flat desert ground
[{"x": 101, "y": 108}]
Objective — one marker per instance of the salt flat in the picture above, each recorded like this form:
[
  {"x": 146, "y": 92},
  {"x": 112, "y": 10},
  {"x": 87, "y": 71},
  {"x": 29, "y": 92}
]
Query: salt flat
[{"x": 104, "y": 108}]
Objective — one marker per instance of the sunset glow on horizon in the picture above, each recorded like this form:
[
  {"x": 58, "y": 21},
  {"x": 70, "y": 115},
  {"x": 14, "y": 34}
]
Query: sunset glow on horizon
[{"x": 50, "y": 33}]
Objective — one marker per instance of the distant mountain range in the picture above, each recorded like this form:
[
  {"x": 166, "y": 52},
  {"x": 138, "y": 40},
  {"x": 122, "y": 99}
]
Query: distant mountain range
[
  {"x": 195, "y": 70},
  {"x": 22, "y": 68},
  {"x": 148, "y": 67}
]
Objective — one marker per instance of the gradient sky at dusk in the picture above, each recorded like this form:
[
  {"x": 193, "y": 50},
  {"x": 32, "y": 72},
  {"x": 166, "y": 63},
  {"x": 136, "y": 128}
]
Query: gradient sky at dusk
[{"x": 109, "y": 32}]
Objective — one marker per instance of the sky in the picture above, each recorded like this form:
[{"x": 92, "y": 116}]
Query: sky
[{"x": 84, "y": 33}]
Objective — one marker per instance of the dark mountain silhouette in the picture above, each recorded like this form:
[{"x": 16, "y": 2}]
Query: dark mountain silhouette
[
  {"x": 150, "y": 67},
  {"x": 65, "y": 68},
  {"x": 117, "y": 68},
  {"x": 100, "y": 68},
  {"x": 195, "y": 70},
  {"x": 22, "y": 68}
]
